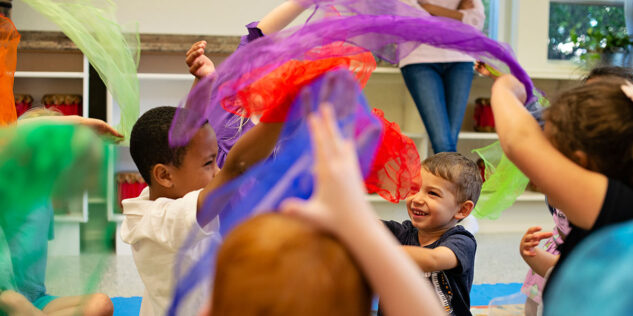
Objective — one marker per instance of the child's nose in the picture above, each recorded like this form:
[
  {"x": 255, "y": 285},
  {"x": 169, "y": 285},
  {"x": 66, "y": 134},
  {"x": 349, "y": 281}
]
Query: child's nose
[
  {"x": 216, "y": 170},
  {"x": 418, "y": 199}
]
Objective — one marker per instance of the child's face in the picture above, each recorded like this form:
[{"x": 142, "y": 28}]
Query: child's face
[
  {"x": 199, "y": 165},
  {"x": 435, "y": 206}
]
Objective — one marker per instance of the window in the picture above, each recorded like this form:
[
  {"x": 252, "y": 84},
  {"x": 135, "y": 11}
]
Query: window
[
  {"x": 492, "y": 17},
  {"x": 568, "y": 17}
]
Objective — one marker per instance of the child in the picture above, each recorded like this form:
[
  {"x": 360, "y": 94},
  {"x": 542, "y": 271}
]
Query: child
[
  {"x": 451, "y": 184},
  {"x": 588, "y": 147},
  {"x": 179, "y": 179},
  {"x": 27, "y": 231},
  {"x": 540, "y": 262},
  {"x": 301, "y": 268}
]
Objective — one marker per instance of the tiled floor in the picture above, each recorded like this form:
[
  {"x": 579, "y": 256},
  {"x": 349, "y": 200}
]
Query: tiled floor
[{"x": 497, "y": 261}]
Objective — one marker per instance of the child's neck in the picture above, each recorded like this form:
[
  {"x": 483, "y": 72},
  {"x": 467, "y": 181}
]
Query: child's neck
[{"x": 426, "y": 237}]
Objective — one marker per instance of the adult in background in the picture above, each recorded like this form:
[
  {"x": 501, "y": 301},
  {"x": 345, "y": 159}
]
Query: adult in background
[{"x": 438, "y": 79}]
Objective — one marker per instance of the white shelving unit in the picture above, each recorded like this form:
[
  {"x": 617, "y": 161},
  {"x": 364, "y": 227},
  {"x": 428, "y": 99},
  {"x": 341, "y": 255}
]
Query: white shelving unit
[{"x": 70, "y": 76}]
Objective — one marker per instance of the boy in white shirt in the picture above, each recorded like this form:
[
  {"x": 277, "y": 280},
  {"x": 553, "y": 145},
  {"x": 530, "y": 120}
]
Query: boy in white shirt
[{"x": 158, "y": 221}]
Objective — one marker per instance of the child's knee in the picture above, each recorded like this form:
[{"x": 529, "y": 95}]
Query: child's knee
[{"x": 99, "y": 305}]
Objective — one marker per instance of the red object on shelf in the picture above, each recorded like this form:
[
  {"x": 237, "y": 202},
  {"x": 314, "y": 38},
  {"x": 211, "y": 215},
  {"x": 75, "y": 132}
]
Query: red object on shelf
[
  {"x": 482, "y": 169},
  {"x": 23, "y": 103},
  {"x": 484, "y": 120},
  {"x": 130, "y": 185},
  {"x": 67, "y": 104}
]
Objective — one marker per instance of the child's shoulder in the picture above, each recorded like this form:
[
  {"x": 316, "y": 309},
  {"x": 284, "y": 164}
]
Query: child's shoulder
[
  {"x": 458, "y": 232},
  {"x": 142, "y": 204}
]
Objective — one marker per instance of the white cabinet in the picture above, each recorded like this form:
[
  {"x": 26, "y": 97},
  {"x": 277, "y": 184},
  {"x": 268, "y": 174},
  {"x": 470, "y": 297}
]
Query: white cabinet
[{"x": 48, "y": 72}]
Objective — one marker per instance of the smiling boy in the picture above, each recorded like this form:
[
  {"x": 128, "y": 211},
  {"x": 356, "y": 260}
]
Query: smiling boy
[{"x": 445, "y": 251}]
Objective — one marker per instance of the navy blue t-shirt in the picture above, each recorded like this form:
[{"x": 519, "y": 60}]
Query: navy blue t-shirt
[{"x": 452, "y": 286}]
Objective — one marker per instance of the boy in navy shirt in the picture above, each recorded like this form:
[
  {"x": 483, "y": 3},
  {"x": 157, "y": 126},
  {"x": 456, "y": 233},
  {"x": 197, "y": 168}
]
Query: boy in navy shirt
[{"x": 445, "y": 251}]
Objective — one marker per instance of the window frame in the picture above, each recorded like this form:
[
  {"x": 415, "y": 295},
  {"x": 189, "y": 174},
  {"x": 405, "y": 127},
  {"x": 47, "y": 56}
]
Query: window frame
[{"x": 529, "y": 37}]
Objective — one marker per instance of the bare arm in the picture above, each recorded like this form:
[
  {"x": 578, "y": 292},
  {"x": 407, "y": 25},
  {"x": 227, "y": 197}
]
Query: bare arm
[
  {"x": 576, "y": 191},
  {"x": 99, "y": 126},
  {"x": 338, "y": 205},
  {"x": 539, "y": 260},
  {"x": 280, "y": 17},
  {"x": 254, "y": 146},
  {"x": 437, "y": 10},
  {"x": 430, "y": 260}
]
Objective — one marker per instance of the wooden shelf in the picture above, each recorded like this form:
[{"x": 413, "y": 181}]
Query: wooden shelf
[
  {"x": 164, "y": 76},
  {"x": 49, "y": 74},
  {"x": 70, "y": 219},
  {"x": 530, "y": 196},
  {"x": 477, "y": 135},
  {"x": 387, "y": 70}
]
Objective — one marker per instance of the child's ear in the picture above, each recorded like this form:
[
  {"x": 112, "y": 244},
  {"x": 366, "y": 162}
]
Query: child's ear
[
  {"x": 161, "y": 175},
  {"x": 464, "y": 210},
  {"x": 581, "y": 158}
]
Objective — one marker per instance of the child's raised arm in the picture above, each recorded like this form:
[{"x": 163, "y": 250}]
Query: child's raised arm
[
  {"x": 578, "y": 192},
  {"x": 280, "y": 17},
  {"x": 338, "y": 205},
  {"x": 539, "y": 260},
  {"x": 254, "y": 146}
]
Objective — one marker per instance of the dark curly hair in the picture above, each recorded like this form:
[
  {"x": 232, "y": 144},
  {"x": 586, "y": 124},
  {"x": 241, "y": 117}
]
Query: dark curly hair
[{"x": 149, "y": 142}]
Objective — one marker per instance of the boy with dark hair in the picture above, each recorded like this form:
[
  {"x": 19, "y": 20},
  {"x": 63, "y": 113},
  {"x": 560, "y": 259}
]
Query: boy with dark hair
[
  {"x": 179, "y": 179},
  {"x": 445, "y": 251}
]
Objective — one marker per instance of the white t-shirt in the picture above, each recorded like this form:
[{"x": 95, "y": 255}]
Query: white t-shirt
[
  {"x": 156, "y": 230},
  {"x": 430, "y": 54}
]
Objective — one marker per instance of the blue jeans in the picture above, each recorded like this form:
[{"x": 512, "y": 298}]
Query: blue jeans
[{"x": 440, "y": 92}]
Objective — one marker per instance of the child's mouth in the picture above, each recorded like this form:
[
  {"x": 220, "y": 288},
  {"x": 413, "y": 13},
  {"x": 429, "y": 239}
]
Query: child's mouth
[{"x": 419, "y": 213}]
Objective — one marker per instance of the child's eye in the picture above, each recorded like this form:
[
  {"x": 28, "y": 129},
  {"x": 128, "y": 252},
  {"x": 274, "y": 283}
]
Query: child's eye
[
  {"x": 208, "y": 163},
  {"x": 434, "y": 193}
]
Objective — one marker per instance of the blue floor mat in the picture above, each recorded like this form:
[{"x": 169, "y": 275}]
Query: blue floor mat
[
  {"x": 127, "y": 306},
  {"x": 480, "y": 295}
]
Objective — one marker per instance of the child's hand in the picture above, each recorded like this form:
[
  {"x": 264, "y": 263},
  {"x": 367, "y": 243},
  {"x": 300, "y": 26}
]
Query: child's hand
[
  {"x": 199, "y": 64},
  {"x": 339, "y": 197},
  {"x": 531, "y": 239},
  {"x": 466, "y": 4},
  {"x": 486, "y": 71},
  {"x": 99, "y": 126}
]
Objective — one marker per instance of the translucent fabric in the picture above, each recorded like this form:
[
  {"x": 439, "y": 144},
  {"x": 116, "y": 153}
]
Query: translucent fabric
[
  {"x": 270, "y": 96},
  {"x": 111, "y": 52},
  {"x": 39, "y": 168},
  {"x": 363, "y": 24},
  {"x": 596, "y": 278},
  {"x": 395, "y": 173},
  {"x": 9, "y": 39},
  {"x": 504, "y": 183},
  {"x": 289, "y": 174}
]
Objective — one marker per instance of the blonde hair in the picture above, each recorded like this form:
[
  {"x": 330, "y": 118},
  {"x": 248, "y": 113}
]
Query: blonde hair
[
  {"x": 273, "y": 264},
  {"x": 38, "y": 112}
]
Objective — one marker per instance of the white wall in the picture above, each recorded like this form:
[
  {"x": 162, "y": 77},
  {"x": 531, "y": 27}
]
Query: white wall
[{"x": 210, "y": 17}]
